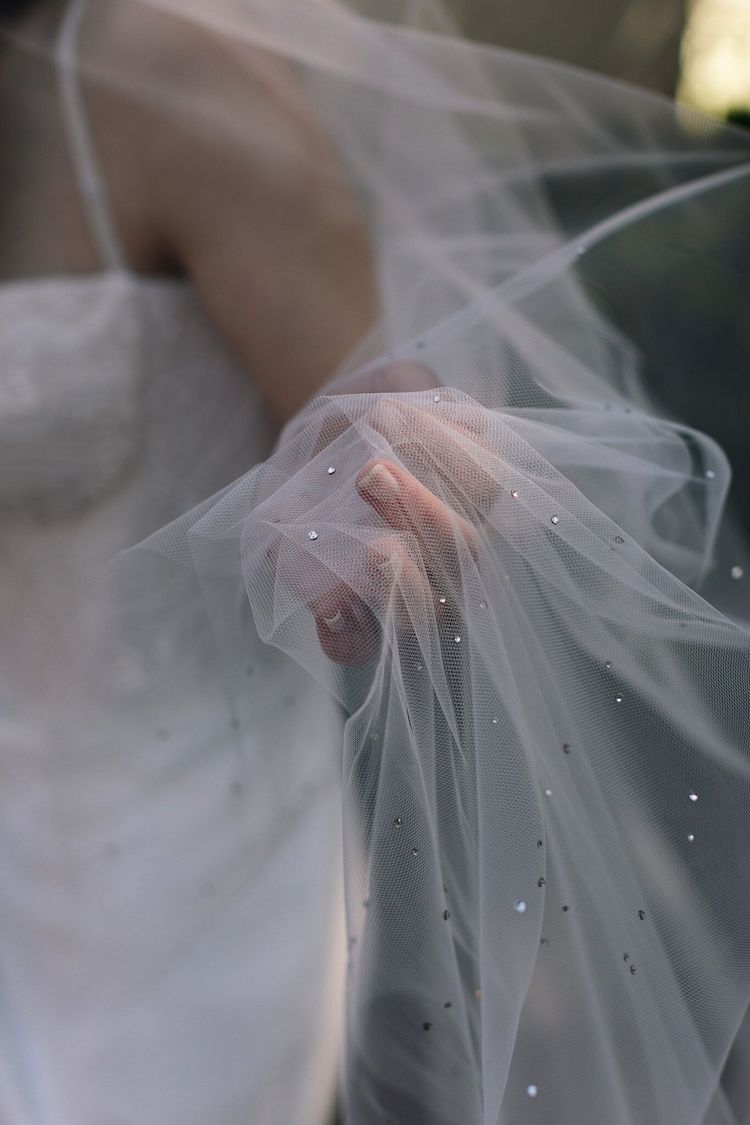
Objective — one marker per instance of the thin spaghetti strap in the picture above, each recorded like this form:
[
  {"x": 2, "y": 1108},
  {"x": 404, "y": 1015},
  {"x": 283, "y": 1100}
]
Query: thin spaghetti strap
[{"x": 88, "y": 176}]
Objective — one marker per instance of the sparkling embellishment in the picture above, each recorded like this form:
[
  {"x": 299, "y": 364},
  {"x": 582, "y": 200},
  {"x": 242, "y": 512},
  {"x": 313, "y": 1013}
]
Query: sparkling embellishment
[
  {"x": 633, "y": 970},
  {"x": 415, "y": 851},
  {"x": 514, "y": 493},
  {"x": 737, "y": 572},
  {"x": 532, "y": 1091},
  {"x": 442, "y": 599},
  {"x": 313, "y": 535},
  {"x": 555, "y": 519},
  {"x": 694, "y": 797},
  {"x": 618, "y": 699},
  {"x": 495, "y": 720},
  {"x": 608, "y": 664},
  {"x": 520, "y": 906},
  {"x": 540, "y": 843},
  {"x": 330, "y": 470},
  {"x": 446, "y": 915},
  {"x": 436, "y": 398},
  {"x": 397, "y": 821},
  {"x": 547, "y": 792},
  {"x": 457, "y": 638},
  {"x": 541, "y": 881},
  {"x": 691, "y": 837},
  {"x": 419, "y": 667},
  {"x": 710, "y": 474},
  {"x": 626, "y": 957},
  {"x": 619, "y": 540},
  {"x": 483, "y": 605},
  {"x": 641, "y": 914}
]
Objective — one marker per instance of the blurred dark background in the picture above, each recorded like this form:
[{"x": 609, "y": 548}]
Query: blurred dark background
[{"x": 698, "y": 49}]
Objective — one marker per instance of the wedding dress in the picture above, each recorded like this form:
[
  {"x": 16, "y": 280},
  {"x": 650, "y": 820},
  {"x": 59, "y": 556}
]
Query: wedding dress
[
  {"x": 543, "y": 774},
  {"x": 170, "y": 929}
]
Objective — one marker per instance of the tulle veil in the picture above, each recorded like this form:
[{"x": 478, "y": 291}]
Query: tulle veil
[{"x": 544, "y": 773}]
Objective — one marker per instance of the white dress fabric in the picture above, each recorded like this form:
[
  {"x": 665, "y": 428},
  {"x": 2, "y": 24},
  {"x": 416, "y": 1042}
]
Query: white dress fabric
[{"x": 170, "y": 928}]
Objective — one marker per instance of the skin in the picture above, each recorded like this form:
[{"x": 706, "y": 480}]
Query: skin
[{"x": 218, "y": 172}]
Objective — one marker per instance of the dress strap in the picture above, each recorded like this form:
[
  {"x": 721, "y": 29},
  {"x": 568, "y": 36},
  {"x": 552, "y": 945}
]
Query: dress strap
[{"x": 88, "y": 176}]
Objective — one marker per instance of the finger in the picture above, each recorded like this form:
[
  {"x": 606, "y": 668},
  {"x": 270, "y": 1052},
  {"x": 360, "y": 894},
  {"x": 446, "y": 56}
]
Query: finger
[
  {"x": 451, "y": 444},
  {"x": 348, "y": 631},
  {"x": 406, "y": 505}
]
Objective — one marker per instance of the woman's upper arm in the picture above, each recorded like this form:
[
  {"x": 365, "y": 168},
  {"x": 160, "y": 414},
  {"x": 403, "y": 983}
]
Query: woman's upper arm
[{"x": 244, "y": 193}]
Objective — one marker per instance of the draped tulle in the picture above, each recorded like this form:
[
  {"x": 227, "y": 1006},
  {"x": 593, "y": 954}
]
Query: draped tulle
[{"x": 545, "y": 768}]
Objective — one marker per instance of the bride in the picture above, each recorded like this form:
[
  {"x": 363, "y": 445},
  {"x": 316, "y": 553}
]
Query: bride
[{"x": 337, "y": 491}]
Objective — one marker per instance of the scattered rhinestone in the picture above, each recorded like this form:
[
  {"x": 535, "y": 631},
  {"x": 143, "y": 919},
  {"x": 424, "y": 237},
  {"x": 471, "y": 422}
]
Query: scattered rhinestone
[
  {"x": 520, "y": 906},
  {"x": 312, "y": 535},
  {"x": 532, "y": 1091},
  {"x": 737, "y": 572},
  {"x": 555, "y": 519}
]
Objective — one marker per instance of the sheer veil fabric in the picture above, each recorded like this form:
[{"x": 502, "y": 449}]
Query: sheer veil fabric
[{"x": 545, "y": 770}]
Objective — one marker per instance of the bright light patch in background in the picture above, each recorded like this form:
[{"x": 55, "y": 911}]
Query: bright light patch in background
[{"x": 716, "y": 57}]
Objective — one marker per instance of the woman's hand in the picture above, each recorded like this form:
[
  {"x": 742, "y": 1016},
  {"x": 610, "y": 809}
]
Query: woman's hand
[{"x": 425, "y": 540}]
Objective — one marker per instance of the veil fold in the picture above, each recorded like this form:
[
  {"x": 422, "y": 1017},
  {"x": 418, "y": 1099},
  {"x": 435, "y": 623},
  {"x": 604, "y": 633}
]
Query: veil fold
[{"x": 545, "y": 772}]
